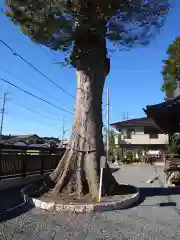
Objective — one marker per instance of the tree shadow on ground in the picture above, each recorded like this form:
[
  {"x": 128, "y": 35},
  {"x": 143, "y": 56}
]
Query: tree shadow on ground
[
  {"x": 113, "y": 170},
  {"x": 159, "y": 191},
  {"x": 122, "y": 189},
  {"x": 12, "y": 204}
]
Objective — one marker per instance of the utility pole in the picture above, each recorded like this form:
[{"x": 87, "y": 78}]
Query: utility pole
[
  {"x": 107, "y": 127},
  {"x": 63, "y": 131},
  {"x": 3, "y": 111}
]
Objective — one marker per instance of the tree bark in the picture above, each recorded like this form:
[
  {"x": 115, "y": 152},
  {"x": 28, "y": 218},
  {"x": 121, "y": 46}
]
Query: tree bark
[{"x": 78, "y": 171}]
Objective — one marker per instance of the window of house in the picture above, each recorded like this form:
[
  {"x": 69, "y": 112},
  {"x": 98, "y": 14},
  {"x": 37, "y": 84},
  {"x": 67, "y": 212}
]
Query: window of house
[
  {"x": 153, "y": 135},
  {"x": 129, "y": 133},
  {"x": 153, "y": 132},
  {"x": 139, "y": 130}
]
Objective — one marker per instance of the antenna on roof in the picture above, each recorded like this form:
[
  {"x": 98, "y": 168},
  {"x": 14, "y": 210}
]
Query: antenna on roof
[{"x": 124, "y": 116}]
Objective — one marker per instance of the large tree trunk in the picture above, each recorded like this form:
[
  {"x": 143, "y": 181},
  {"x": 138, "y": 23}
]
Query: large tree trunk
[
  {"x": 78, "y": 171},
  {"x": 79, "y": 168}
]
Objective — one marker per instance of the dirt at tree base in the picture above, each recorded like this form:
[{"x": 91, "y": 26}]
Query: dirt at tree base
[{"x": 66, "y": 198}]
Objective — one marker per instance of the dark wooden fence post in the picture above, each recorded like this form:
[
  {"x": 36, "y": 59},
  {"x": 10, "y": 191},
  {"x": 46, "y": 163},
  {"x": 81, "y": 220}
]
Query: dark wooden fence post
[
  {"x": 24, "y": 163},
  {"x": 42, "y": 163},
  {"x": 52, "y": 159},
  {"x": 0, "y": 163},
  {"x": 21, "y": 153},
  {"x": 58, "y": 156}
]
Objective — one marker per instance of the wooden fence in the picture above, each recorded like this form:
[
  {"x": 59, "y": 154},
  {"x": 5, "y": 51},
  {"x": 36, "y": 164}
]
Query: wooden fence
[{"x": 16, "y": 161}]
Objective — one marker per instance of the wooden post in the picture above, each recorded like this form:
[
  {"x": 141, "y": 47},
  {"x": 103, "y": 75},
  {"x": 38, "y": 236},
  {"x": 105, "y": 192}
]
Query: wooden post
[
  {"x": 102, "y": 166},
  {"x": 57, "y": 160},
  {"x": 100, "y": 184},
  {"x": 164, "y": 159},
  {"x": 24, "y": 164}
]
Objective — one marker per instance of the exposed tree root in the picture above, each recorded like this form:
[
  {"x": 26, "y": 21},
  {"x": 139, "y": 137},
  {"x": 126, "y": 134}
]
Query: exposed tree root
[
  {"x": 79, "y": 176},
  {"x": 62, "y": 175},
  {"x": 55, "y": 174}
]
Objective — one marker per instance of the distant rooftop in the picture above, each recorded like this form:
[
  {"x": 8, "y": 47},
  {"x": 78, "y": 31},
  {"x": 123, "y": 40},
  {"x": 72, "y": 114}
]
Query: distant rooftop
[
  {"x": 139, "y": 122},
  {"x": 25, "y": 136},
  {"x": 22, "y": 139},
  {"x": 38, "y": 145},
  {"x": 20, "y": 143}
]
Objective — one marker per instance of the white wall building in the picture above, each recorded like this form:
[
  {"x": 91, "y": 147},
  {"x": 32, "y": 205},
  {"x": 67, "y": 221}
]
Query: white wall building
[{"x": 142, "y": 132}]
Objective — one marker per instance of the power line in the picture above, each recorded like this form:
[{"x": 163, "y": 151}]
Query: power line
[
  {"x": 33, "y": 95},
  {"x": 27, "y": 120},
  {"x": 36, "y": 112},
  {"x": 37, "y": 70},
  {"x": 50, "y": 53},
  {"x": 19, "y": 78},
  {"x": 46, "y": 52},
  {"x": 22, "y": 80}
]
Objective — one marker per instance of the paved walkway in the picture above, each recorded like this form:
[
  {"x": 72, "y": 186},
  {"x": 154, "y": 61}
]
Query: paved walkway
[{"x": 156, "y": 218}]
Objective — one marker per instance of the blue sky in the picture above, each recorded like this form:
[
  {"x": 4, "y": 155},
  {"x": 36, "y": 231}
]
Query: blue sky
[{"x": 134, "y": 81}]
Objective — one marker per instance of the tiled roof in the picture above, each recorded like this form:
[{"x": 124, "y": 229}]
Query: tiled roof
[
  {"x": 38, "y": 145},
  {"x": 135, "y": 122},
  {"x": 166, "y": 115},
  {"x": 25, "y": 136},
  {"x": 5, "y": 137},
  {"x": 20, "y": 143}
]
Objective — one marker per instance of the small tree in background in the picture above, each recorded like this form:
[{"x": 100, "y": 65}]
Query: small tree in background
[
  {"x": 173, "y": 145},
  {"x": 112, "y": 146},
  {"x": 171, "y": 68},
  {"x": 83, "y": 27}
]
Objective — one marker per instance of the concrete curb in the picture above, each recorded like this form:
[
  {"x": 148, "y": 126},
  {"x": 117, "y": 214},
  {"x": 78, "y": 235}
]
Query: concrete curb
[{"x": 82, "y": 208}]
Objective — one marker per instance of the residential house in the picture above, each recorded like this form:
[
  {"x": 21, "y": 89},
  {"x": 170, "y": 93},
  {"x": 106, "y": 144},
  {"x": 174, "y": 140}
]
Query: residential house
[
  {"x": 21, "y": 140},
  {"x": 20, "y": 143},
  {"x": 4, "y": 138},
  {"x": 140, "y": 133},
  {"x": 28, "y": 139},
  {"x": 51, "y": 141},
  {"x": 63, "y": 143},
  {"x": 32, "y": 140}
]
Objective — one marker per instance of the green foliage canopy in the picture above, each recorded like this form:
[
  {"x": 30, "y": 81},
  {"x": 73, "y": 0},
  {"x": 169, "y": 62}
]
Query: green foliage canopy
[
  {"x": 173, "y": 146},
  {"x": 58, "y": 24},
  {"x": 112, "y": 144},
  {"x": 171, "y": 68}
]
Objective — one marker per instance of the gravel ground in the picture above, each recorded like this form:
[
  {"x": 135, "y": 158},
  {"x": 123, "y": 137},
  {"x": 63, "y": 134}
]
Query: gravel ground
[
  {"x": 138, "y": 175},
  {"x": 150, "y": 220}
]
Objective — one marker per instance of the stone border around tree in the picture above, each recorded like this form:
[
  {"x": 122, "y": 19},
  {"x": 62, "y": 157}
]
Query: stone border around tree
[{"x": 81, "y": 208}]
